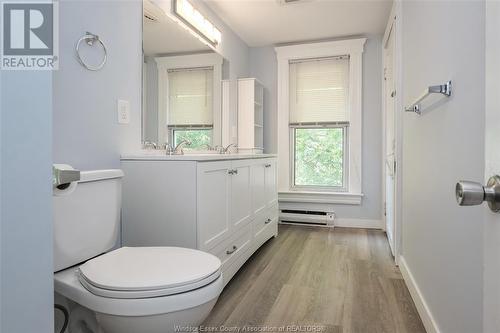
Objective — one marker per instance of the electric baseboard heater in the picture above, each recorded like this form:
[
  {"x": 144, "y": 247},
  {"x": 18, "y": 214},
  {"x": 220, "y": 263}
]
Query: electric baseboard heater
[{"x": 307, "y": 217}]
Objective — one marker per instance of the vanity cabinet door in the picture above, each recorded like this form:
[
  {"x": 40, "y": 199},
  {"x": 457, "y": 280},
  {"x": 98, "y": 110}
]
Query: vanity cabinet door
[
  {"x": 271, "y": 189},
  {"x": 241, "y": 193},
  {"x": 259, "y": 194},
  {"x": 213, "y": 203}
]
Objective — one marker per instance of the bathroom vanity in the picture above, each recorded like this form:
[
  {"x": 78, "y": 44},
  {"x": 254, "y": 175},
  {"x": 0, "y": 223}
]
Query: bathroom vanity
[{"x": 226, "y": 205}]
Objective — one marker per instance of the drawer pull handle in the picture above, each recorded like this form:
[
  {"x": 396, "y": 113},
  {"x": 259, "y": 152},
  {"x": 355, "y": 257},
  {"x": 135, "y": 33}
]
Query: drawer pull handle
[
  {"x": 267, "y": 165},
  {"x": 268, "y": 221},
  {"x": 232, "y": 250},
  {"x": 233, "y": 172}
]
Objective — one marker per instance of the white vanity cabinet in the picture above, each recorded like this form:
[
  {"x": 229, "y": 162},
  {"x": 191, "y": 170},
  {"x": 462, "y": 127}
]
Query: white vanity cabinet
[
  {"x": 226, "y": 207},
  {"x": 213, "y": 196},
  {"x": 223, "y": 200}
]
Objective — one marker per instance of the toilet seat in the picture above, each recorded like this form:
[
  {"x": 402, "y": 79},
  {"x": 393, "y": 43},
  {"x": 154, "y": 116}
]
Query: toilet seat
[
  {"x": 143, "y": 272},
  {"x": 67, "y": 284}
]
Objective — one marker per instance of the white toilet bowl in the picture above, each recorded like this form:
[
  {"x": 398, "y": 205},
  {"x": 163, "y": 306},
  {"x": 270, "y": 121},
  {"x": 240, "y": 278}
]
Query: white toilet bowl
[{"x": 145, "y": 289}]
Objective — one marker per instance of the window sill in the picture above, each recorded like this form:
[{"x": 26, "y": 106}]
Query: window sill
[{"x": 344, "y": 198}]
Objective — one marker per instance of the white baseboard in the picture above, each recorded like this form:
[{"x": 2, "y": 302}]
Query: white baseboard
[
  {"x": 420, "y": 303},
  {"x": 358, "y": 223}
]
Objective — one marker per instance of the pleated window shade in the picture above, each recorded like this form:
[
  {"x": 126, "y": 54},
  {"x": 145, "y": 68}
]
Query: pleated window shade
[
  {"x": 190, "y": 96},
  {"x": 319, "y": 90}
]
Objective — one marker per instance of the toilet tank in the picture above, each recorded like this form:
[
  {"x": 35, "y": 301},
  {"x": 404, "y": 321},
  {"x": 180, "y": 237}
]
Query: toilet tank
[{"x": 86, "y": 217}]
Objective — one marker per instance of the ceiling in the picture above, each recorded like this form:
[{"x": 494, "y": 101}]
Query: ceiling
[
  {"x": 267, "y": 22},
  {"x": 165, "y": 36}
]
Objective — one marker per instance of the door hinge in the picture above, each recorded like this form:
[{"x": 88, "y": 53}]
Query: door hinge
[{"x": 385, "y": 208}]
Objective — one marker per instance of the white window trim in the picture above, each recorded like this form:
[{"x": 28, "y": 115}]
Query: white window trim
[
  {"x": 354, "y": 48},
  {"x": 189, "y": 61}
]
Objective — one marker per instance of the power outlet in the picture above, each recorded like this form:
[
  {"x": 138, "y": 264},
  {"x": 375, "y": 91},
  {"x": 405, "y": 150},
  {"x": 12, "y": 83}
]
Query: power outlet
[{"x": 123, "y": 108}]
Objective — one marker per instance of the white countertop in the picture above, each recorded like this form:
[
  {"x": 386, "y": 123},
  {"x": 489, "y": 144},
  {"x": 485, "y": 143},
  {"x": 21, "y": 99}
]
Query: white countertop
[{"x": 161, "y": 156}]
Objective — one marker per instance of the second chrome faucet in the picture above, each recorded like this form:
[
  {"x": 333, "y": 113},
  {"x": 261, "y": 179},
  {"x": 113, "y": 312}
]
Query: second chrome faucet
[{"x": 178, "y": 149}]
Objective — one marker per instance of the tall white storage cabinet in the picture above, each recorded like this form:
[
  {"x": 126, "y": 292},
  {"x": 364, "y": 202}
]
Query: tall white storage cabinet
[
  {"x": 226, "y": 207},
  {"x": 250, "y": 115}
]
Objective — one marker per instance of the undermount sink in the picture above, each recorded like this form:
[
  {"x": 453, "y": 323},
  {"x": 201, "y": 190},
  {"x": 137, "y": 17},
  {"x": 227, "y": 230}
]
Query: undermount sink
[{"x": 200, "y": 152}]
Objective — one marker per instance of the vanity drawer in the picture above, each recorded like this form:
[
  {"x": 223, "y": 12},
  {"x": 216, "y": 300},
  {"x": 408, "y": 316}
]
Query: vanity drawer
[
  {"x": 264, "y": 219},
  {"x": 232, "y": 269},
  {"x": 233, "y": 247},
  {"x": 265, "y": 226}
]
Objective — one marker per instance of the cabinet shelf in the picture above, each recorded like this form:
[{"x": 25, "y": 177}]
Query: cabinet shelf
[{"x": 250, "y": 115}]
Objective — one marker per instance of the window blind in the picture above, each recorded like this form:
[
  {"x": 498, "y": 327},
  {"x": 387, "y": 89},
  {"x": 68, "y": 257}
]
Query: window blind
[
  {"x": 190, "y": 94},
  {"x": 319, "y": 90}
]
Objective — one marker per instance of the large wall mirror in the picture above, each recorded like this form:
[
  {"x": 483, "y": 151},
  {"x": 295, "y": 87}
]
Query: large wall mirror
[{"x": 181, "y": 83}]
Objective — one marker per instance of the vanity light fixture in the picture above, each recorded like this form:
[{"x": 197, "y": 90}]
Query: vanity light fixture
[{"x": 195, "y": 20}]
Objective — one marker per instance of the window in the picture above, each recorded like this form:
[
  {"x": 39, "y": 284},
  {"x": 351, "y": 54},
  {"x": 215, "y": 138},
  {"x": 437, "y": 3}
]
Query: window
[
  {"x": 319, "y": 122},
  {"x": 319, "y": 157},
  {"x": 199, "y": 138},
  {"x": 190, "y": 106}
]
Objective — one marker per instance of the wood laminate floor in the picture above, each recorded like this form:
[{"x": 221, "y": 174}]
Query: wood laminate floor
[{"x": 318, "y": 279}]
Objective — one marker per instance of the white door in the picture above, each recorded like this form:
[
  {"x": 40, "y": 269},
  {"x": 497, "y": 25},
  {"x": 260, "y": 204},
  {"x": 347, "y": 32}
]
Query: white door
[
  {"x": 213, "y": 201},
  {"x": 241, "y": 194},
  {"x": 491, "y": 260},
  {"x": 390, "y": 143}
]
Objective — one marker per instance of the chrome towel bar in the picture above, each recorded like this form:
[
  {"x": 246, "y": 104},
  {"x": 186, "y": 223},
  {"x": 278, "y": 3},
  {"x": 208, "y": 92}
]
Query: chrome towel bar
[{"x": 444, "y": 89}]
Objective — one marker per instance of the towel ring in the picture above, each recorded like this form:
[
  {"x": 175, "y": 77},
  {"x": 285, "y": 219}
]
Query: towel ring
[{"x": 90, "y": 39}]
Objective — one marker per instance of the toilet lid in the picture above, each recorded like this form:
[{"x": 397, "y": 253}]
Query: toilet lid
[{"x": 136, "y": 272}]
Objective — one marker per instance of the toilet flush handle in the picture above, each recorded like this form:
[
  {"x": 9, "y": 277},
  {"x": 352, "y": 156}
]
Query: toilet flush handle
[{"x": 64, "y": 176}]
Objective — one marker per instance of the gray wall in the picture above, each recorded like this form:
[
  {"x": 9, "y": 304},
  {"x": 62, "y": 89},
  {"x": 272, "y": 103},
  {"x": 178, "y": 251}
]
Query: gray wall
[
  {"x": 86, "y": 131},
  {"x": 26, "y": 279},
  {"x": 442, "y": 243},
  {"x": 263, "y": 65}
]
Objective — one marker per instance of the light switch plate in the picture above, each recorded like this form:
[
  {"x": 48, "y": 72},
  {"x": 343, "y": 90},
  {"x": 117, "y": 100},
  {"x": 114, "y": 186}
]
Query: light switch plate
[{"x": 123, "y": 108}]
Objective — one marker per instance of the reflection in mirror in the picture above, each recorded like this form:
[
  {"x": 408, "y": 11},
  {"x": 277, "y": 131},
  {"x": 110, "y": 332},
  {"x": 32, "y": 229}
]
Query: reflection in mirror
[{"x": 181, "y": 84}]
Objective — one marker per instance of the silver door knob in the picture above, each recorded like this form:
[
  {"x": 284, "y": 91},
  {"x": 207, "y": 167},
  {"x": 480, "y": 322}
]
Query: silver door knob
[{"x": 472, "y": 193}]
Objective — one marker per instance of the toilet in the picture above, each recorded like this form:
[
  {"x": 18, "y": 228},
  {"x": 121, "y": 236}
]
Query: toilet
[{"x": 129, "y": 289}]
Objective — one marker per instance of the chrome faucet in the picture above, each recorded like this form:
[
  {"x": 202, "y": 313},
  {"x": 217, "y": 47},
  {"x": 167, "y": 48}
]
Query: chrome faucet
[
  {"x": 225, "y": 150},
  {"x": 178, "y": 149},
  {"x": 149, "y": 145},
  {"x": 209, "y": 147}
]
